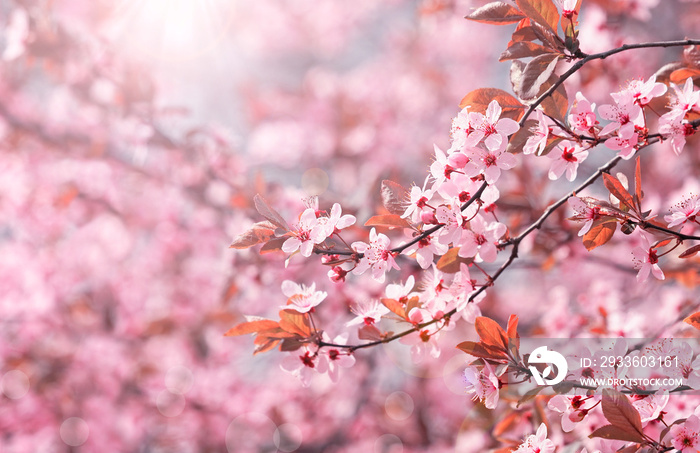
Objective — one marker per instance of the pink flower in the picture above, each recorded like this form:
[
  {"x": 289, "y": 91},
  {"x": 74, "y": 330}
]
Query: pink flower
[
  {"x": 481, "y": 239},
  {"x": 490, "y": 162},
  {"x": 537, "y": 142},
  {"x": 582, "y": 118},
  {"x": 377, "y": 255},
  {"x": 566, "y": 157},
  {"x": 585, "y": 212},
  {"x": 537, "y": 443},
  {"x": 625, "y": 111},
  {"x": 686, "y": 99},
  {"x": 335, "y": 222},
  {"x": 483, "y": 384},
  {"x": 490, "y": 128},
  {"x": 336, "y": 358},
  {"x": 672, "y": 126},
  {"x": 572, "y": 408},
  {"x": 300, "y": 297},
  {"x": 419, "y": 202},
  {"x": 685, "y": 211},
  {"x": 626, "y": 141},
  {"x": 646, "y": 260},
  {"x": 425, "y": 251},
  {"x": 642, "y": 92},
  {"x": 303, "y": 364},
  {"x": 367, "y": 312},
  {"x": 685, "y": 437},
  {"x": 451, "y": 217},
  {"x": 307, "y": 233}
]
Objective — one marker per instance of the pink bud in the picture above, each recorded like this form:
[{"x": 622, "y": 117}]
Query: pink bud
[
  {"x": 457, "y": 160},
  {"x": 428, "y": 217}
]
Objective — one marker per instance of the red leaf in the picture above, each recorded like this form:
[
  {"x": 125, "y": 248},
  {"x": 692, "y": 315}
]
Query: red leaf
[
  {"x": 617, "y": 190},
  {"x": 265, "y": 345},
  {"x": 483, "y": 351},
  {"x": 679, "y": 76},
  {"x": 450, "y": 262},
  {"x": 273, "y": 245},
  {"x": 497, "y": 13},
  {"x": 254, "y": 325},
  {"x": 370, "y": 333},
  {"x": 270, "y": 214},
  {"x": 536, "y": 74},
  {"x": 556, "y": 104},
  {"x": 395, "y": 306},
  {"x": 693, "y": 320},
  {"x": 519, "y": 139},
  {"x": 638, "y": 184},
  {"x": 690, "y": 252},
  {"x": 491, "y": 333},
  {"x": 388, "y": 220},
  {"x": 395, "y": 197},
  {"x": 621, "y": 414},
  {"x": 523, "y": 49},
  {"x": 512, "y": 331},
  {"x": 259, "y": 232},
  {"x": 478, "y": 100},
  {"x": 544, "y": 12},
  {"x": 294, "y": 322},
  {"x": 613, "y": 432},
  {"x": 599, "y": 234}
]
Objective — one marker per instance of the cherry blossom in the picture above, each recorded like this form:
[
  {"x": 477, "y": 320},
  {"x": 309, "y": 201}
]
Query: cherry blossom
[
  {"x": 483, "y": 383},
  {"x": 490, "y": 162},
  {"x": 685, "y": 99},
  {"x": 537, "y": 142},
  {"x": 582, "y": 119},
  {"x": 377, "y": 255},
  {"x": 301, "y": 298},
  {"x": 584, "y": 212},
  {"x": 647, "y": 261},
  {"x": 307, "y": 232},
  {"x": 624, "y": 113},
  {"x": 685, "y": 437},
  {"x": 490, "y": 128},
  {"x": 641, "y": 92},
  {"x": 480, "y": 239},
  {"x": 426, "y": 249},
  {"x": 451, "y": 217},
  {"x": 574, "y": 409},
  {"x": 537, "y": 443},
  {"x": 336, "y": 358},
  {"x": 685, "y": 211},
  {"x": 367, "y": 312},
  {"x": 566, "y": 158},
  {"x": 672, "y": 126},
  {"x": 303, "y": 364},
  {"x": 419, "y": 202},
  {"x": 626, "y": 142},
  {"x": 336, "y": 221}
]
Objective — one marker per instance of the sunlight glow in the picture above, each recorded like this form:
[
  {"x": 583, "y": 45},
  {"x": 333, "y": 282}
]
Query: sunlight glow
[{"x": 171, "y": 29}]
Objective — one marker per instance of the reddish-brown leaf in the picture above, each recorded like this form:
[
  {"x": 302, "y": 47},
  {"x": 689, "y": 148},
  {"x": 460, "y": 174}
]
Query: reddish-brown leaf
[
  {"x": 491, "y": 333},
  {"x": 294, "y": 322},
  {"x": 395, "y": 197},
  {"x": 291, "y": 344},
  {"x": 479, "y": 99},
  {"x": 253, "y": 325},
  {"x": 451, "y": 262},
  {"x": 536, "y": 74},
  {"x": 270, "y": 214},
  {"x": 679, "y": 76},
  {"x": 512, "y": 331},
  {"x": 517, "y": 141},
  {"x": 497, "y": 13},
  {"x": 599, "y": 234},
  {"x": 523, "y": 49},
  {"x": 267, "y": 345},
  {"x": 690, "y": 251},
  {"x": 370, "y": 333},
  {"x": 259, "y": 232},
  {"x": 395, "y": 306},
  {"x": 621, "y": 414},
  {"x": 617, "y": 190},
  {"x": 273, "y": 245},
  {"x": 693, "y": 320},
  {"x": 483, "y": 351},
  {"x": 638, "y": 184},
  {"x": 555, "y": 105},
  {"x": 507, "y": 423},
  {"x": 524, "y": 33},
  {"x": 544, "y": 12},
  {"x": 387, "y": 220},
  {"x": 613, "y": 432}
]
